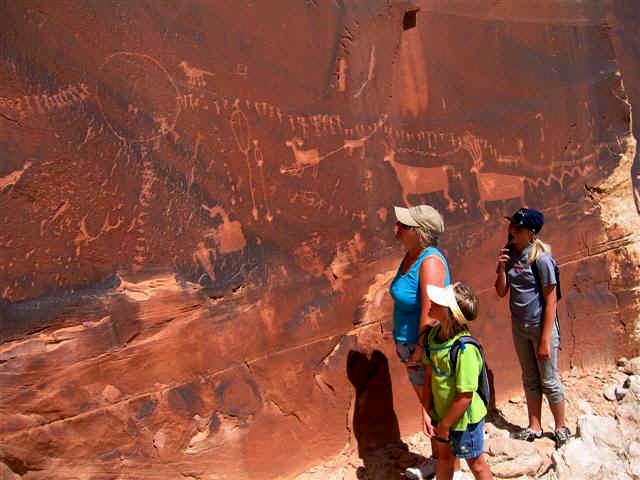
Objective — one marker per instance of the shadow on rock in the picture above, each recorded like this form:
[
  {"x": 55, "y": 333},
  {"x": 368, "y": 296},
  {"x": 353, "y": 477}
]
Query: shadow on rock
[{"x": 375, "y": 424}]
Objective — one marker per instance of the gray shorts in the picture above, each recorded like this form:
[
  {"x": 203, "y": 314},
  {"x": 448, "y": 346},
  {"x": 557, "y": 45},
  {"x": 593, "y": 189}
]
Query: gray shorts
[
  {"x": 416, "y": 374},
  {"x": 538, "y": 377}
]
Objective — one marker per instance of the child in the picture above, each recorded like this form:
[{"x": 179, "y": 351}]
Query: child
[
  {"x": 528, "y": 273},
  {"x": 453, "y": 411}
]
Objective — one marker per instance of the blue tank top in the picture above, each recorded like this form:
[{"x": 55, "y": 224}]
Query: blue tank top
[{"x": 406, "y": 298}]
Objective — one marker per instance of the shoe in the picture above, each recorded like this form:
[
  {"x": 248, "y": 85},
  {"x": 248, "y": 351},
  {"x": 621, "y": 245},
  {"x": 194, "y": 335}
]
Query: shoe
[
  {"x": 563, "y": 434},
  {"x": 425, "y": 470},
  {"x": 458, "y": 475},
  {"x": 527, "y": 435}
]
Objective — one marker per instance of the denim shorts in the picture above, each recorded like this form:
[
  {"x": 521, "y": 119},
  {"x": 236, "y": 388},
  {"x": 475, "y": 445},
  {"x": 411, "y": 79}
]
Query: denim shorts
[
  {"x": 468, "y": 443},
  {"x": 416, "y": 374}
]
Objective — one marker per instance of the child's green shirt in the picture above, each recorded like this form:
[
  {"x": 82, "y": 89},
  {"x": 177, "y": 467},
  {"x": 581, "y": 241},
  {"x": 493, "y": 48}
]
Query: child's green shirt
[{"x": 444, "y": 384}]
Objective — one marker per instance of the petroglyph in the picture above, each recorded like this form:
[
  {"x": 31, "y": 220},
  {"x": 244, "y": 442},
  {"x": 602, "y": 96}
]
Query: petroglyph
[
  {"x": 228, "y": 235},
  {"x": 341, "y": 74},
  {"x": 85, "y": 238},
  {"x": 145, "y": 199},
  {"x": 14, "y": 177},
  {"x": 41, "y": 103},
  {"x": 195, "y": 76},
  {"x": 419, "y": 180},
  {"x": 304, "y": 159},
  {"x": 259, "y": 161},
  {"x": 347, "y": 255},
  {"x": 138, "y": 98},
  {"x": 491, "y": 186},
  {"x": 240, "y": 129},
  {"x": 372, "y": 66}
]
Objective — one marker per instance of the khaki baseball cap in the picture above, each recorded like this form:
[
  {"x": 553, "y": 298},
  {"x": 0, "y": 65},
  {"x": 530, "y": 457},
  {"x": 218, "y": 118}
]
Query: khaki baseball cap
[{"x": 421, "y": 216}]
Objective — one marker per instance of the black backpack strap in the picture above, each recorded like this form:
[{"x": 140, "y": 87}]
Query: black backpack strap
[
  {"x": 459, "y": 344},
  {"x": 484, "y": 387}
]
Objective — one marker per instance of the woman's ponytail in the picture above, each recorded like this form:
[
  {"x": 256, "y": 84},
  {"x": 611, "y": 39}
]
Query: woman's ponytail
[{"x": 538, "y": 247}]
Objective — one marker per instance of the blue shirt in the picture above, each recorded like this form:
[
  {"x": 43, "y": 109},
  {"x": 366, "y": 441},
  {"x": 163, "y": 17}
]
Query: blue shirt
[
  {"x": 525, "y": 300},
  {"x": 406, "y": 298}
]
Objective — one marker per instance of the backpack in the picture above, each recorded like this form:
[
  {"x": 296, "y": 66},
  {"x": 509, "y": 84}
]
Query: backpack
[
  {"x": 484, "y": 387},
  {"x": 536, "y": 275}
]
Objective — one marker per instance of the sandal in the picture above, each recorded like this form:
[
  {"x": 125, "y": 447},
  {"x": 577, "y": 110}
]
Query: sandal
[
  {"x": 526, "y": 434},
  {"x": 563, "y": 434}
]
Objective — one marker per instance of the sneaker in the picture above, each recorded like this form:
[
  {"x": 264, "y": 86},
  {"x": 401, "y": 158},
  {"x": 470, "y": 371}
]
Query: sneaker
[
  {"x": 458, "y": 475},
  {"x": 527, "y": 435},
  {"x": 563, "y": 434},
  {"x": 425, "y": 470}
]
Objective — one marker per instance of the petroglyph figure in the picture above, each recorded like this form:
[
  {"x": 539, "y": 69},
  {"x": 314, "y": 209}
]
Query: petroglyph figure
[
  {"x": 372, "y": 66},
  {"x": 13, "y": 178},
  {"x": 419, "y": 180},
  {"x": 133, "y": 88},
  {"x": 240, "y": 129},
  {"x": 341, "y": 74},
  {"x": 259, "y": 161},
  {"x": 303, "y": 158},
  {"x": 195, "y": 76},
  {"x": 491, "y": 186}
]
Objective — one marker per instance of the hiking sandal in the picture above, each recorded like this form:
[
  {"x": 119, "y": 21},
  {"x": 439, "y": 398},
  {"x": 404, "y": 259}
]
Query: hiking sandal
[
  {"x": 563, "y": 434},
  {"x": 526, "y": 434}
]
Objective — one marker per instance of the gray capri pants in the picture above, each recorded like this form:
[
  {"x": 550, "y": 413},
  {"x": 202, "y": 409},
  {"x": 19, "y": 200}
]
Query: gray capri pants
[{"x": 538, "y": 377}]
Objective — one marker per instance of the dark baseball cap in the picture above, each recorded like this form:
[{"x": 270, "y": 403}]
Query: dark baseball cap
[{"x": 527, "y": 218}]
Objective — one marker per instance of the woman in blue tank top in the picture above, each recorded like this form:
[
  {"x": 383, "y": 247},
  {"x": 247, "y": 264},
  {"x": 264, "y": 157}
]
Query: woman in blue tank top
[{"x": 418, "y": 229}]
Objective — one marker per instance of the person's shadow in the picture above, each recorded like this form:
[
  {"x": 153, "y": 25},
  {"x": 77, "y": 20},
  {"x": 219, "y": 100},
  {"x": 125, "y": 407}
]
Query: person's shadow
[{"x": 375, "y": 424}]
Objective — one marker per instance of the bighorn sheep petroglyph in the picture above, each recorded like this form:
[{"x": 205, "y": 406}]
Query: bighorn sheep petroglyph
[
  {"x": 491, "y": 186},
  {"x": 419, "y": 180}
]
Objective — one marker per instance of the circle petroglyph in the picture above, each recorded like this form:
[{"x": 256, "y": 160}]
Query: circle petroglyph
[{"x": 137, "y": 97}]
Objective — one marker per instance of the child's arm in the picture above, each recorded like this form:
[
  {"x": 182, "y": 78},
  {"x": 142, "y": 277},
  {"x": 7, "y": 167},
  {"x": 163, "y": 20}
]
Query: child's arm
[
  {"x": 427, "y": 403},
  {"x": 460, "y": 403}
]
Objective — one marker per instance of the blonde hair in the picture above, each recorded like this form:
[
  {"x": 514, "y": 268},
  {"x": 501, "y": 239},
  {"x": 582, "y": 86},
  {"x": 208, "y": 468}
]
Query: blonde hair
[
  {"x": 426, "y": 237},
  {"x": 538, "y": 247},
  {"x": 468, "y": 302}
]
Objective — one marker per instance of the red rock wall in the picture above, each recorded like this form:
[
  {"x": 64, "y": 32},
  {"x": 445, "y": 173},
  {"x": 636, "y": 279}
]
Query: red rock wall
[{"x": 196, "y": 229}]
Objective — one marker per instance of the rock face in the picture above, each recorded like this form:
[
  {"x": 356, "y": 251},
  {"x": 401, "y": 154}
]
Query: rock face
[{"x": 195, "y": 210}]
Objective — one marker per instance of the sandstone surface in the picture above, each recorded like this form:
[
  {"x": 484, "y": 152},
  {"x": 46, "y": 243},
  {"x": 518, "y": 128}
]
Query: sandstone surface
[{"x": 196, "y": 224}]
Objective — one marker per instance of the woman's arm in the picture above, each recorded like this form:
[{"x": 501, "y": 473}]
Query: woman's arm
[
  {"x": 548, "y": 319},
  {"x": 501, "y": 273},
  {"x": 432, "y": 272}
]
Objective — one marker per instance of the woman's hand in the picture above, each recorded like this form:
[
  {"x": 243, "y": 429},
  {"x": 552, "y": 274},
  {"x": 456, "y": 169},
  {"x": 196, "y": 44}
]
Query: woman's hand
[
  {"x": 503, "y": 258},
  {"x": 427, "y": 425},
  {"x": 544, "y": 349},
  {"x": 415, "y": 359}
]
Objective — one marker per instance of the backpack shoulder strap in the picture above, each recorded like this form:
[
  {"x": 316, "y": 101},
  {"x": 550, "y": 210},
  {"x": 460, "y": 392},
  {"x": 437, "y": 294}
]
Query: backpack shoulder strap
[{"x": 460, "y": 344}]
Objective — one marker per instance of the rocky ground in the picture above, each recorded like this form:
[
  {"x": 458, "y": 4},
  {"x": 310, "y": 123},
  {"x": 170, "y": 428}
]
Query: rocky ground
[{"x": 603, "y": 409}]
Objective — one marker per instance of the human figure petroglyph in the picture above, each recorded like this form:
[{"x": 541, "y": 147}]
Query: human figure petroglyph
[
  {"x": 419, "y": 180},
  {"x": 259, "y": 161},
  {"x": 195, "y": 76},
  {"x": 45, "y": 102},
  {"x": 240, "y": 129}
]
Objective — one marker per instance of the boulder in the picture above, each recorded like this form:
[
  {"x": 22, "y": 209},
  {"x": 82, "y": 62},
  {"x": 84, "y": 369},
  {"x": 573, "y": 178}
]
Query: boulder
[{"x": 632, "y": 367}]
